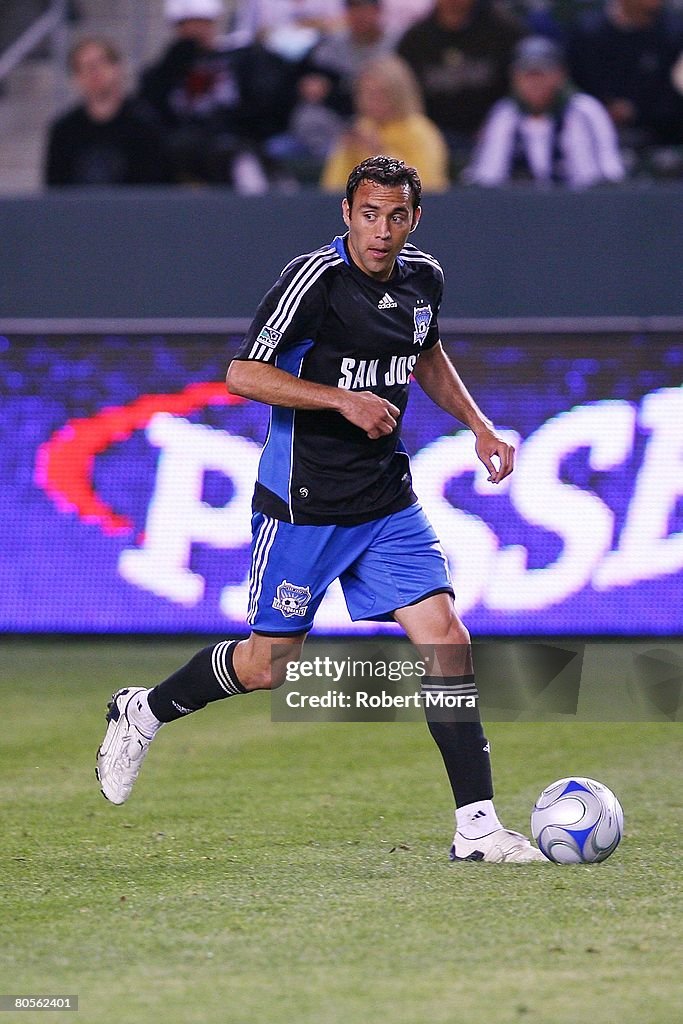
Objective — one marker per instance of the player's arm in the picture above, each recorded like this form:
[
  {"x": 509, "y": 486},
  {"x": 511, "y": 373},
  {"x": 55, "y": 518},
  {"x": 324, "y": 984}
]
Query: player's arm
[
  {"x": 439, "y": 379},
  {"x": 273, "y": 386}
]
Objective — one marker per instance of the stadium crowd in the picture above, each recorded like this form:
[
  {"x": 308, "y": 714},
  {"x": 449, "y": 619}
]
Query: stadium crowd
[{"x": 284, "y": 93}]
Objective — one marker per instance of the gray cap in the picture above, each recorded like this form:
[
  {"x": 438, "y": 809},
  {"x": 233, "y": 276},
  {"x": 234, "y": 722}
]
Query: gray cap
[{"x": 537, "y": 53}]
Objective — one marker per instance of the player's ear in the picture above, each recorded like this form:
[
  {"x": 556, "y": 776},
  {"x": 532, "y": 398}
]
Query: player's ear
[
  {"x": 346, "y": 212},
  {"x": 417, "y": 213}
]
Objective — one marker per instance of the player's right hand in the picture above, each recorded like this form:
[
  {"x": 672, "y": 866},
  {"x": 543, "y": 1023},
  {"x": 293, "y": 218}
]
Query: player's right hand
[{"x": 375, "y": 415}]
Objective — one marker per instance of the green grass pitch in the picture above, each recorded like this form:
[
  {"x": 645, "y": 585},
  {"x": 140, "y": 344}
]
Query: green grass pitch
[{"x": 269, "y": 872}]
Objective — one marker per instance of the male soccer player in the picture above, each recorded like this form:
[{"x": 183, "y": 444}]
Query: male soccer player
[{"x": 331, "y": 350}]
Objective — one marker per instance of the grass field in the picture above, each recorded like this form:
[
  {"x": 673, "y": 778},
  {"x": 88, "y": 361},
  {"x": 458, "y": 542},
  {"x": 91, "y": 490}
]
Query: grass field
[{"x": 297, "y": 872}]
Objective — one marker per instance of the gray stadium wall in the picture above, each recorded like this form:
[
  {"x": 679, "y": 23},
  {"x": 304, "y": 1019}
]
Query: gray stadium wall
[{"x": 509, "y": 253}]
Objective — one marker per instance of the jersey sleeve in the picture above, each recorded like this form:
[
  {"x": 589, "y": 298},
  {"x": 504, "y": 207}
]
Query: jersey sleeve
[
  {"x": 428, "y": 282},
  {"x": 291, "y": 312},
  {"x": 433, "y": 330}
]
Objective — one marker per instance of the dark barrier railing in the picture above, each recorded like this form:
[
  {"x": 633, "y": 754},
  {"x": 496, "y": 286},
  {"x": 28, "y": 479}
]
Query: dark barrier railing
[{"x": 511, "y": 253}]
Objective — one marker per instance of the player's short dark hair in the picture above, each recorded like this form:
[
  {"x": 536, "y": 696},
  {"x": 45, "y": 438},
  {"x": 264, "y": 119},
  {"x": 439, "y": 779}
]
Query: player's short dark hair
[{"x": 385, "y": 170}]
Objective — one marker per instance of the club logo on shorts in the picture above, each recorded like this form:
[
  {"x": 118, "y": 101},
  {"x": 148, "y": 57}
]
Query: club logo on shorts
[
  {"x": 291, "y": 600},
  {"x": 268, "y": 336},
  {"x": 422, "y": 317}
]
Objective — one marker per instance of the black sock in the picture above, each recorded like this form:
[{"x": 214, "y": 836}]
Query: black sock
[
  {"x": 459, "y": 735},
  {"x": 208, "y": 676}
]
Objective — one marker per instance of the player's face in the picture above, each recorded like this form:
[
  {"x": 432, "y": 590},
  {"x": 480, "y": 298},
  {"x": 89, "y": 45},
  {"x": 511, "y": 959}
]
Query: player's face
[{"x": 379, "y": 223}]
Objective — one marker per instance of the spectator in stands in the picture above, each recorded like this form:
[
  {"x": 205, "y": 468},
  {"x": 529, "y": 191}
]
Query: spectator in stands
[
  {"x": 325, "y": 104},
  {"x": 461, "y": 55},
  {"x": 625, "y": 55},
  {"x": 390, "y": 120},
  {"x": 107, "y": 139},
  {"x": 218, "y": 101},
  {"x": 545, "y": 131},
  {"x": 341, "y": 55}
]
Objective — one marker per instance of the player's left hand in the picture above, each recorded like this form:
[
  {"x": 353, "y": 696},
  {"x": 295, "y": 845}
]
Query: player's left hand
[{"x": 489, "y": 444}]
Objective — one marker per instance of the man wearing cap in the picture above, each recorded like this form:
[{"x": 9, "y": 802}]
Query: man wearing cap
[
  {"x": 218, "y": 99},
  {"x": 545, "y": 131}
]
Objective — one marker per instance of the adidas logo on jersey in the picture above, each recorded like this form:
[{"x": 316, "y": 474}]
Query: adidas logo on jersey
[{"x": 386, "y": 302}]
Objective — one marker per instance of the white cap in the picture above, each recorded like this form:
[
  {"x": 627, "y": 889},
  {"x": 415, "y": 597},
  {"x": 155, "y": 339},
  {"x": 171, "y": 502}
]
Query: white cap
[{"x": 181, "y": 10}]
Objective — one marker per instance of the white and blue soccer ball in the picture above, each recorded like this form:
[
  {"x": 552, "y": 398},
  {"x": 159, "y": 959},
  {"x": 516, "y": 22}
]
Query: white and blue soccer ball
[{"x": 577, "y": 821}]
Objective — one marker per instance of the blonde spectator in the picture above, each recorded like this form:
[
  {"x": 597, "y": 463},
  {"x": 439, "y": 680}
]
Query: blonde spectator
[{"x": 389, "y": 119}]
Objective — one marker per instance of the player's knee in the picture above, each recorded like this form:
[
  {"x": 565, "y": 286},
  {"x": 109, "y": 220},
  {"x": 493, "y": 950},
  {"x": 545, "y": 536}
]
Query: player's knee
[
  {"x": 458, "y": 633},
  {"x": 451, "y": 631},
  {"x": 262, "y": 663},
  {"x": 260, "y": 675},
  {"x": 259, "y": 679}
]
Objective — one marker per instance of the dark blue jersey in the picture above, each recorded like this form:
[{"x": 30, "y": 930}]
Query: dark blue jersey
[{"x": 328, "y": 322}]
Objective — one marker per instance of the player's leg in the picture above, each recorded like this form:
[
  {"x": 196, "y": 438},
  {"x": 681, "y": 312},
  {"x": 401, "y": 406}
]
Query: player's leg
[
  {"x": 291, "y": 568},
  {"x": 222, "y": 670},
  {"x": 226, "y": 669},
  {"x": 403, "y": 574},
  {"x": 435, "y": 628}
]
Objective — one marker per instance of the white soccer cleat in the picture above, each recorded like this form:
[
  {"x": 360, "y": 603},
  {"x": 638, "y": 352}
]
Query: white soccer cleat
[
  {"x": 123, "y": 748},
  {"x": 501, "y": 845}
]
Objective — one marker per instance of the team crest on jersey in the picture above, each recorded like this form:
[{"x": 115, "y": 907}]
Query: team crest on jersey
[
  {"x": 422, "y": 317},
  {"x": 291, "y": 600},
  {"x": 268, "y": 336}
]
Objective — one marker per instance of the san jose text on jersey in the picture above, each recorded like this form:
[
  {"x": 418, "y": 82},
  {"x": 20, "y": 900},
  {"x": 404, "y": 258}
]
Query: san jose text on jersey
[{"x": 326, "y": 321}]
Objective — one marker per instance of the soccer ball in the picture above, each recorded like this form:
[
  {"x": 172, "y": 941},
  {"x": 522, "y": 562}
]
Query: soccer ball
[{"x": 577, "y": 821}]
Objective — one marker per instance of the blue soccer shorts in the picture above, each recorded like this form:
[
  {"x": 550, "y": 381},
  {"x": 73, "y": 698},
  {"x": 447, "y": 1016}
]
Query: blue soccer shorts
[{"x": 382, "y": 565}]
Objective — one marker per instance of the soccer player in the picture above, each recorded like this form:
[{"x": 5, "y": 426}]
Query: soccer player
[{"x": 331, "y": 349}]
